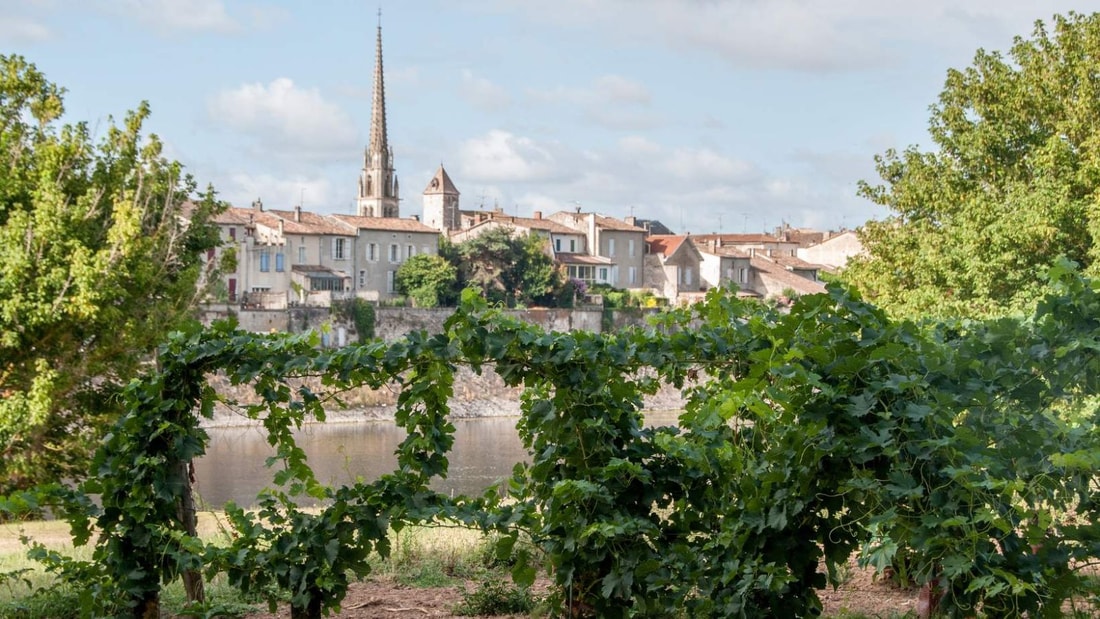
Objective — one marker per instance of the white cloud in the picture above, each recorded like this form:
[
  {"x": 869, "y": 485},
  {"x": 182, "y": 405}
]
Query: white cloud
[
  {"x": 802, "y": 35},
  {"x": 704, "y": 164},
  {"x": 313, "y": 193},
  {"x": 501, "y": 156},
  {"x": 619, "y": 89},
  {"x": 16, "y": 29},
  {"x": 482, "y": 93},
  {"x": 175, "y": 15},
  {"x": 639, "y": 145},
  {"x": 610, "y": 101},
  {"x": 285, "y": 120}
]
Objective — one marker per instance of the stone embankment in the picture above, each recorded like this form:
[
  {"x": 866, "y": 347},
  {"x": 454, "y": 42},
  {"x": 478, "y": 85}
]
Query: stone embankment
[{"x": 475, "y": 395}]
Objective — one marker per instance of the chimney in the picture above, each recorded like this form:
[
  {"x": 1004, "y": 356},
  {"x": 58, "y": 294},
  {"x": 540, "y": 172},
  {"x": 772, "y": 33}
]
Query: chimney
[
  {"x": 257, "y": 205},
  {"x": 632, "y": 220},
  {"x": 280, "y": 227},
  {"x": 538, "y": 214},
  {"x": 298, "y": 213},
  {"x": 416, "y": 217}
]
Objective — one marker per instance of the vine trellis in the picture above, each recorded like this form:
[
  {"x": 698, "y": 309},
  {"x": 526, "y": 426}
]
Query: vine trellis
[{"x": 963, "y": 454}]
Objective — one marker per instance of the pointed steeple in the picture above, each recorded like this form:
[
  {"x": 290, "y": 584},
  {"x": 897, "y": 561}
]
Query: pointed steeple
[
  {"x": 378, "y": 188},
  {"x": 378, "y": 142}
]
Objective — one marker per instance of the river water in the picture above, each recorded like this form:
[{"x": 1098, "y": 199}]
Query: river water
[{"x": 484, "y": 453}]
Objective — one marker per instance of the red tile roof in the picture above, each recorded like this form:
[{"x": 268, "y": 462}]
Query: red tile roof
[
  {"x": 385, "y": 223},
  {"x": 778, "y": 272},
  {"x": 532, "y": 223},
  {"x": 305, "y": 222},
  {"x": 665, "y": 244}
]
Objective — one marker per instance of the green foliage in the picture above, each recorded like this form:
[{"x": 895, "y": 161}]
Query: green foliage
[
  {"x": 430, "y": 281},
  {"x": 361, "y": 314},
  {"x": 1011, "y": 187},
  {"x": 616, "y": 298},
  {"x": 52, "y": 603},
  {"x": 495, "y": 596},
  {"x": 509, "y": 269},
  {"x": 99, "y": 265},
  {"x": 968, "y": 449}
]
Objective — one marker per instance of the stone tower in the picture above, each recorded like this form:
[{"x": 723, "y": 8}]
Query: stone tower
[
  {"x": 378, "y": 189},
  {"x": 441, "y": 203}
]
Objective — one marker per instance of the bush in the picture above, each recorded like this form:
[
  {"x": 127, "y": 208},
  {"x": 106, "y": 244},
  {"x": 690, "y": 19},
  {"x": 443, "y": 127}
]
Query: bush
[{"x": 496, "y": 596}]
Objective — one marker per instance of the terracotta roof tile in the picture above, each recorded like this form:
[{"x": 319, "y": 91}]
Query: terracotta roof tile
[
  {"x": 665, "y": 244},
  {"x": 306, "y": 222},
  {"x": 385, "y": 223},
  {"x": 234, "y": 216},
  {"x": 532, "y": 223},
  {"x": 778, "y": 272}
]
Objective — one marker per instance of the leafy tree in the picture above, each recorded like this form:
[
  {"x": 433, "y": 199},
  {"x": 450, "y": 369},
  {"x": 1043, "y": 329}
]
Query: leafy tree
[
  {"x": 101, "y": 249},
  {"x": 510, "y": 269},
  {"x": 429, "y": 280},
  {"x": 1011, "y": 188}
]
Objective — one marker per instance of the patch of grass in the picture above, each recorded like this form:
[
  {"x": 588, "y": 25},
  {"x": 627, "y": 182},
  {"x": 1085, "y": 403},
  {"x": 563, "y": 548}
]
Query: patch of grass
[
  {"x": 435, "y": 556},
  {"x": 222, "y": 600},
  {"x": 496, "y": 596},
  {"x": 61, "y": 602},
  {"x": 847, "y": 614}
]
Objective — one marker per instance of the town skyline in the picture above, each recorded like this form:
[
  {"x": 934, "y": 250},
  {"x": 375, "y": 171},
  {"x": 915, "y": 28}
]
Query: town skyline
[{"x": 623, "y": 112}]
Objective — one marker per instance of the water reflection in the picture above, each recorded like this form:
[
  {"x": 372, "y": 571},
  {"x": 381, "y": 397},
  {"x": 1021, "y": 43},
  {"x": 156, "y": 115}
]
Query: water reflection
[{"x": 484, "y": 452}]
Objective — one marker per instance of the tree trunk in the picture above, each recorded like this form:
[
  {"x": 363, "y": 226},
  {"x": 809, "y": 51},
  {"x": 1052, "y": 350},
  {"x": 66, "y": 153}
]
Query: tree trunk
[
  {"x": 312, "y": 609},
  {"x": 149, "y": 608},
  {"x": 928, "y": 600},
  {"x": 192, "y": 580}
]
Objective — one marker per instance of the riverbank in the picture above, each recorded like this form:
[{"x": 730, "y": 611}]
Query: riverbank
[{"x": 476, "y": 395}]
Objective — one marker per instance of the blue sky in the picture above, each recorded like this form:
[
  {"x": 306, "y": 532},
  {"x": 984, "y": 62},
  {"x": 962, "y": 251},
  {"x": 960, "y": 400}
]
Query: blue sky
[{"x": 709, "y": 115}]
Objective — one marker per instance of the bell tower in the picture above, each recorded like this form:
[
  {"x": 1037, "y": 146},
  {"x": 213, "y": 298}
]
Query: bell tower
[
  {"x": 441, "y": 203},
  {"x": 378, "y": 189}
]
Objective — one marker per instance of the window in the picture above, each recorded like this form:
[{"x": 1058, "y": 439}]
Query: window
[
  {"x": 338, "y": 248},
  {"x": 390, "y": 280},
  {"x": 362, "y": 279},
  {"x": 583, "y": 273},
  {"x": 572, "y": 246},
  {"x": 743, "y": 275},
  {"x": 633, "y": 273},
  {"x": 265, "y": 261},
  {"x": 630, "y": 247},
  {"x": 233, "y": 233},
  {"x": 610, "y": 247},
  {"x": 325, "y": 283},
  {"x": 603, "y": 274},
  {"x": 395, "y": 253},
  {"x": 410, "y": 251},
  {"x": 686, "y": 276},
  {"x": 301, "y": 254},
  {"x": 557, "y": 244},
  {"x": 280, "y": 263},
  {"x": 372, "y": 252}
]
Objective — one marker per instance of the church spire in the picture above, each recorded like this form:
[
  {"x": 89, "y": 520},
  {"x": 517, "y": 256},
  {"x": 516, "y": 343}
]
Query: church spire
[
  {"x": 378, "y": 188},
  {"x": 378, "y": 142}
]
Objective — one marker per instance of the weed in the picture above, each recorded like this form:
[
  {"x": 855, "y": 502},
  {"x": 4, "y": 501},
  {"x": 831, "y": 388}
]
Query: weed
[{"x": 496, "y": 596}]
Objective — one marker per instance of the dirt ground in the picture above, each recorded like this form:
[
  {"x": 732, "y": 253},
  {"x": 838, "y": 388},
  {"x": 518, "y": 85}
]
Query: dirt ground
[{"x": 381, "y": 598}]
